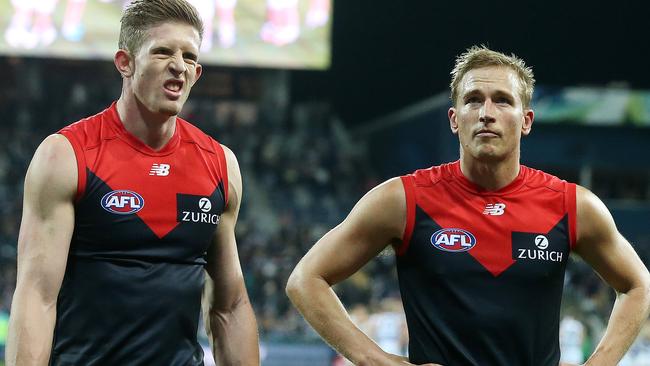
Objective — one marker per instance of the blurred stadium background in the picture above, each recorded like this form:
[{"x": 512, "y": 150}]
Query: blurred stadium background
[{"x": 321, "y": 110}]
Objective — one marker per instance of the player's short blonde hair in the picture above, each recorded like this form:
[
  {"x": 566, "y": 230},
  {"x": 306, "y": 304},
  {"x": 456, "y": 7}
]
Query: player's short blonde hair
[
  {"x": 480, "y": 56},
  {"x": 141, "y": 15}
]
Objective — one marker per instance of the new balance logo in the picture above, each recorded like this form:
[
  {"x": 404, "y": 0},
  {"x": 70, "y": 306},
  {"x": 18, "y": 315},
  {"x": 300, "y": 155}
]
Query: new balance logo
[
  {"x": 494, "y": 209},
  {"x": 161, "y": 170}
]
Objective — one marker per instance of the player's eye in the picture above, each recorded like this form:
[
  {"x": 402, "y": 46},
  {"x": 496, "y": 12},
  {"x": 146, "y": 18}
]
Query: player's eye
[
  {"x": 472, "y": 100},
  {"x": 162, "y": 51},
  {"x": 190, "y": 56},
  {"x": 503, "y": 100}
]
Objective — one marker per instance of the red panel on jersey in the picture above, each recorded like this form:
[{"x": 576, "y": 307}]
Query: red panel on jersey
[
  {"x": 123, "y": 162},
  {"x": 529, "y": 204}
]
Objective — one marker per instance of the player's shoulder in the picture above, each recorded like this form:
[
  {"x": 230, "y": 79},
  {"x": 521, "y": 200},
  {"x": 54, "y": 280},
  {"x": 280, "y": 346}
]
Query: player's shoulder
[
  {"x": 53, "y": 167},
  {"x": 383, "y": 206},
  {"x": 390, "y": 186},
  {"x": 536, "y": 178},
  {"x": 191, "y": 134},
  {"x": 89, "y": 131},
  {"x": 391, "y": 190},
  {"x": 230, "y": 157},
  {"x": 432, "y": 175},
  {"x": 389, "y": 195},
  {"x": 54, "y": 147},
  {"x": 589, "y": 203}
]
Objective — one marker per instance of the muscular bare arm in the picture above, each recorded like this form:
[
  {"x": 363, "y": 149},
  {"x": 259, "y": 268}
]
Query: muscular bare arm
[
  {"x": 43, "y": 243},
  {"x": 229, "y": 318},
  {"x": 376, "y": 221},
  {"x": 604, "y": 248}
]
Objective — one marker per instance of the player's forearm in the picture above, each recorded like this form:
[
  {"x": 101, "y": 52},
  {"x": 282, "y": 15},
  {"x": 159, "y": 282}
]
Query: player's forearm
[
  {"x": 234, "y": 335},
  {"x": 31, "y": 329},
  {"x": 630, "y": 311},
  {"x": 323, "y": 310}
]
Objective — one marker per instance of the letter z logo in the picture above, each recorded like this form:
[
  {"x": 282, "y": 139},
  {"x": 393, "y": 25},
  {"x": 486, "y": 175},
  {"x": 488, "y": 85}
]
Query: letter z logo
[{"x": 161, "y": 170}]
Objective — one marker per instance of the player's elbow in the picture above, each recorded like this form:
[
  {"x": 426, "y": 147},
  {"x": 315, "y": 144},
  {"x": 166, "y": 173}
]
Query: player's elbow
[
  {"x": 645, "y": 300},
  {"x": 645, "y": 286},
  {"x": 295, "y": 284},
  {"x": 641, "y": 291},
  {"x": 305, "y": 284},
  {"x": 644, "y": 282},
  {"x": 228, "y": 304},
  {"x": 37, "y": 290}
]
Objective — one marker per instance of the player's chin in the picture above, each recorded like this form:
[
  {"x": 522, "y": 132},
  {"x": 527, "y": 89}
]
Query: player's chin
[
  {"x": 488, "y": 154},
  {"x": 170, "y": 108}
]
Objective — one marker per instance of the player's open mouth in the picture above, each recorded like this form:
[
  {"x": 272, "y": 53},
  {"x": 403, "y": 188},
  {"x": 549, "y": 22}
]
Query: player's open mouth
[
  {"x": 173, "y": 85},
  {"x": 173, "y": 88}
]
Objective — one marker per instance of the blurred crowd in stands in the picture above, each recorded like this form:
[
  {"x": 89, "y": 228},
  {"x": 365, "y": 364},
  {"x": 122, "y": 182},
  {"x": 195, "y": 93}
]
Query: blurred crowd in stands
[{"x": 302, "y": 173}]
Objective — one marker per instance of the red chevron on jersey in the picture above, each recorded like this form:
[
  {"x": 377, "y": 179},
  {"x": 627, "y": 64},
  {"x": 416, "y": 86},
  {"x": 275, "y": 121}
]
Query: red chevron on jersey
[
  {"x": 477, "y": 267},
  {"x": 144, "y": 222},
  {"x": 191, "y": 163},
  {"x": 529, "y": 204}
]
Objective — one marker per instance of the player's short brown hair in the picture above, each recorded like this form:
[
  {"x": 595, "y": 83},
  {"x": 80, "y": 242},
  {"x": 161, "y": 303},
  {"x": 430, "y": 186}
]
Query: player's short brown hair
[
  {"x": 481, "y": 56},
  {"x": 141, "y": 15}
]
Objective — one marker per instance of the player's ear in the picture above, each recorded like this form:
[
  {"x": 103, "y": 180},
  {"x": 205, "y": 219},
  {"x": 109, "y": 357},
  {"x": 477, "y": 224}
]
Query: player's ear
[
  {"x": 451, "y": 113},
  {"x": 199, "y": 72},
  {"x": 527, "y": 125},
  {"x": 124, "y": 63}
]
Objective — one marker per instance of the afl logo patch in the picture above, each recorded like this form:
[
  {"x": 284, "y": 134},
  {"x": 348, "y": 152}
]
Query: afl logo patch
[
  {"x": 453, "y": 240},
  {"x": 122, "y": 202}
]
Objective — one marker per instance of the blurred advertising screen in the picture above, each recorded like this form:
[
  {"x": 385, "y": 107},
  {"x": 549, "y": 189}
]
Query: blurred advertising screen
[
  {"x": 597, "y": 106},
  {"x": 264, "y": 33}
]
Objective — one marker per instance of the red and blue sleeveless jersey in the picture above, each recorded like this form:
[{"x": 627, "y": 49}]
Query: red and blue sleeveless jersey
[
  {"x": 481, "y": 272},
  {"x": 144, "y": 219}
]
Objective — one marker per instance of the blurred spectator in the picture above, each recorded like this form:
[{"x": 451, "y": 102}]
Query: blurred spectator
[
  {"x": 572, "y": 337},
  {"x": 4, "y": 327},
  {"x": 388, "y": 327},
  {"x": 639, "y": 354}
]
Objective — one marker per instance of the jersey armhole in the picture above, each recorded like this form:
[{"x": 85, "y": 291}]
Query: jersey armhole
[
  {"x": 223, "y": 171},
  {"x": 407, "y": 182},
  {"x": 81, "y": 163},
  {"x": 570, "y": 202}
]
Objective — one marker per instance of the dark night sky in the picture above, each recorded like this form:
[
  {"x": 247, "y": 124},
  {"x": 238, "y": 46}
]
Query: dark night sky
[{"x": 388, "y": 54}]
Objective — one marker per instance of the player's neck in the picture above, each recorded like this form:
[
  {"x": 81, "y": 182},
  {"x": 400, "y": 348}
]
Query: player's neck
[
  {"x": 490, "y": 175},
  {"x": 152, "y": 129}
]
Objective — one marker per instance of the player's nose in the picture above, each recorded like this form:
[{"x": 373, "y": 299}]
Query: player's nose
[
  {"x": 487, "y": 112},
  {"x": 177, "y": 64}
]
